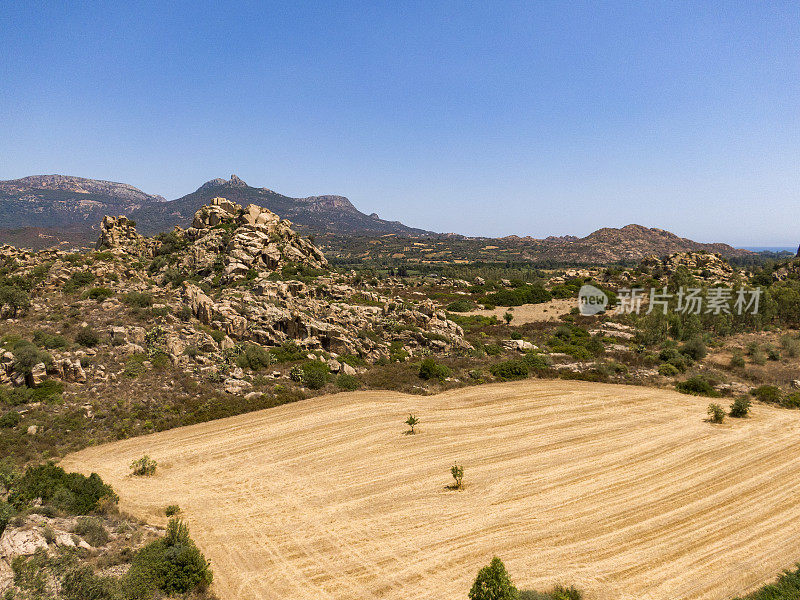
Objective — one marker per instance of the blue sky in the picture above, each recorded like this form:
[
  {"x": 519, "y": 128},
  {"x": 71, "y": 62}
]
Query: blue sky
[{"x": 532, "y": 118}]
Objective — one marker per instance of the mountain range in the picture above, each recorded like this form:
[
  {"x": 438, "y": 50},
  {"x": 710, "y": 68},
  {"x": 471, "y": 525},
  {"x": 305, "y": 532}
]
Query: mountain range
[{"x": 47, "y": 210}]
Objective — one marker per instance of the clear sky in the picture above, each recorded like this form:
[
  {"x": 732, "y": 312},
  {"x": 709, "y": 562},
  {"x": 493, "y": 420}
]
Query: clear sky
[{"x": 492, "y": 118}]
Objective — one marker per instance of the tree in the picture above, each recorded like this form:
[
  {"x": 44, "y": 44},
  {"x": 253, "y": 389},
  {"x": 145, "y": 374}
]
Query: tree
[
  {"x": 411, "y": 421},
  {"x": 457, "y": 471},
  {"x": 493, "y": 583},
  {"x": 508, "y": 317},
  {"x": 716, "y": 414},
  {"x": 740, "y": 407}
]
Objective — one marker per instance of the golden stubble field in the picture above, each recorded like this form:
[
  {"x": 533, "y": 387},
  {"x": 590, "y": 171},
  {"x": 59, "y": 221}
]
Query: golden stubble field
[{"x": 623, "y": 491}]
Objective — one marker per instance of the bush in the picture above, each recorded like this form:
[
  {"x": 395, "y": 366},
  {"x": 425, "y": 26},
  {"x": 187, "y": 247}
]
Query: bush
[
  {"x": 78, "y": 280},
  {"x": 71, "y": 492},
  {"x": 461, "y": 306},
  {"x": 144, "y": 467},
  {"x": 737, "y": 360},
  {"x": 791, "y": 400},
  {"x": 49, "y": 341},
  {"x": 347, "y": 382},
  {"x": 288, "y": 352},
  {"x": 457, "y": 471},
  {"x": 10, "y": 419},
  {"x": 254, "y": 357},
  {"x": 6, "y": 512},
  {"x": 27, "y": 356},
  {"x": 412, "y": 421},
  {"x": 138, "y": 299},
  {"x": 87, "y": 337},
  {"x": 99, "y": 294},
  {"x": 16, "y": 300},
  {"x": 790, "y": 346},
  {"x": 767, "y": 393},
  {"x": 694, "y": 349},
  {"x": 82, "y": 583},
  {"x": 740, "y": 407},
  {"x": 510, "y": 369},
  {"x": 172, "y": 510},
  {"x": 92, "y": 530},
  {"x": 430, "y": 369},
  {"x": 315, "y": 374},
  {"x": 716, "y": 414},
  {"x": 668, "y": 370},
  {"x": 697, "y": 386},
  {"x": 536, "y": 361},
  {"x": 493, "y": 583},
  {"x": 526, "y": 294},
  {"x": 171, "y": 565}
]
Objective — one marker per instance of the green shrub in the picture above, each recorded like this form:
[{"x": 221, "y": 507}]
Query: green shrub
[
  {"x": 71, "y": 492},
  {"x": 740, "y": 407},
  {"x": 10, "y": 419},
  {"x": 14, "y": 299},
  {"x": 288, "y": 352},
  {"x": 172, "y": 510},
  {"x": 737, "y": 360},
  {"x": 144, "y": 467},
  {"x": 526, "y": 294},
  {"x": 768, "y": 393},
  {"x": 6, "y": 512},
  {"x": 49, "y": 341},
  {"x": 694, "y": 349},
  {"x": 347, "y": 382},
  {"x": 787, "y": 587},
  {"x": 87, "y": 337},
  {"x": 430, "y": 369},
  {"x": 493, "y": 583},
  {"x": 536, "y": 361},
  {"x": 697, "y": 386},
  {"x": 171, "y": 565},
  {"x": 78, "y": 280},
  {"x": 315, "y": 374},
  {"x": 716, "y": 414},
  {"x": 790, "y": 346},
  {"x": 758, "y": 357},
  {"x": 27, "y": 356},
  {"x": 668, "y": 370},
  {"x": 82, "y": 583},
  {"x": 99, "y": 294},
  {"x": 791, "y": 400},
  {"x": 461, "y": 306},
  {"x": 184, "y": 313},
  {"x": 510, "y": 369},
  {"x": 92, "y": 530},
  {"x": 457, "y": 471},
  {"x": 138, "y": 299},
  {"x": 254, "y": 357}
]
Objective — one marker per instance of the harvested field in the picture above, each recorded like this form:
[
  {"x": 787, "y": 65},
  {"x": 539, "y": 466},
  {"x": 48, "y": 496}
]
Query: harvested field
[
  {"x": 531, "y": 313},
  {"x": 625, "y": 492}
]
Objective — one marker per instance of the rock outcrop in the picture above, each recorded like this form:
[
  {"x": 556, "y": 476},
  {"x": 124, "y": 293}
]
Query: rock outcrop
[
  {"x": 705, "y": 266},
  {"x": 119, "y": 233}
]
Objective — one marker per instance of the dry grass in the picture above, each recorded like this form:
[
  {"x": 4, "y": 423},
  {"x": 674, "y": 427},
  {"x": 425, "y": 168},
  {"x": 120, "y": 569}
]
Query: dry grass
[{"x": 623, "y": 491}]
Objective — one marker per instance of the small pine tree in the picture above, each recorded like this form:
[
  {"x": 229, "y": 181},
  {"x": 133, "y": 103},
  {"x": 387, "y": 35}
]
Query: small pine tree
[
  {"x": 412, "y": 421},
  {"x": 716, "y": 414},
  {"x": 493, "y": 583},
  {"x": 740, "y": 407},
  {"x": 457, "y": 471},
  {"x": 508, "y": 317}
]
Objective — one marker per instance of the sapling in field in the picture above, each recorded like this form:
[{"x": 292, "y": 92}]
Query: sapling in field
[
  {"x": 412, "y": 422},
  {"x": 457, "y": 471}
]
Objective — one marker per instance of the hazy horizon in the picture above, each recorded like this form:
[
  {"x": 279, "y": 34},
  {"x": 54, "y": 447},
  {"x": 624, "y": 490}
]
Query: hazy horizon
[{"x": 512, "y": 119}]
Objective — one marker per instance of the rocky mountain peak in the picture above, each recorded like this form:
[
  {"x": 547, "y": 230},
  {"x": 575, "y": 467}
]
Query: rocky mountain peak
[{"x": 233, "y": 182}]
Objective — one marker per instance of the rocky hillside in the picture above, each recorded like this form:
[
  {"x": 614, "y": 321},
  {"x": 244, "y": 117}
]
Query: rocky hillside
[
  {"x": 315, "y": 214},
  {"x": 56, "y": 201}
]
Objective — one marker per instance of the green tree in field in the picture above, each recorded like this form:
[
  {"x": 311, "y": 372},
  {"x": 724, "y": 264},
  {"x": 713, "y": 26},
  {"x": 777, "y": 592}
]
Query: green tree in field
[
  {"x": 716, "y": 414},
  {"x": 457, "y": 471},
  {"x": 508, "y": 317},
  {"x": 412, "y": 421},
  {"x": 493, "y": 583}
]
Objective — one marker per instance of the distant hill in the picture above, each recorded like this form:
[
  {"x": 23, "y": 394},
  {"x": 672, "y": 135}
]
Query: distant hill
[
  {"x": 315, "y": 214},
  {"x": 57, "y": 201},
  {"x": 58, "y": 210}
]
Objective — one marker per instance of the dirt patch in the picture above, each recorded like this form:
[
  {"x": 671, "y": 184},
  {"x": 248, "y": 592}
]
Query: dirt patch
[{"x": 532, "y": 313}]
